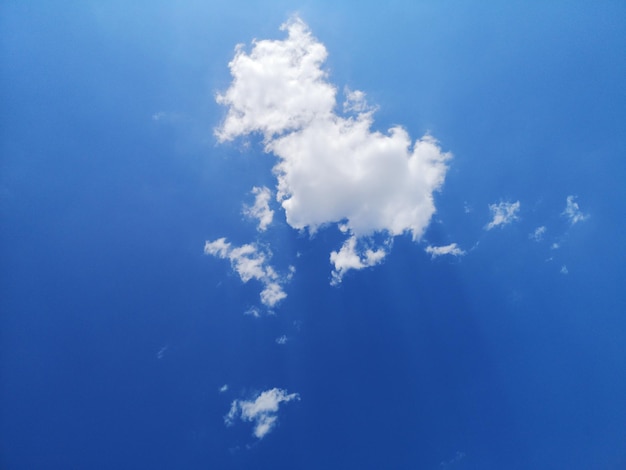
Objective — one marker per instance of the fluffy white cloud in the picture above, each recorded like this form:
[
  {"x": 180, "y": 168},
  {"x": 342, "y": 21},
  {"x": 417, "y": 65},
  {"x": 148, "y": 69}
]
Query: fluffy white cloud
[
  {"x": 279, "y": 86},
  {"x": 348, "y": 257},
  {"x": 261, "y": 209},
  {"x": 572, "y": 211},
  {"x": 451, "y": 249},
  {"x": 331, "y": 168},
  {"x": 250, "y": 262},
  {"x": 261, "y": 410},
  {"x": 503, "y": 214},
  {"x": 538, "y": 234}
]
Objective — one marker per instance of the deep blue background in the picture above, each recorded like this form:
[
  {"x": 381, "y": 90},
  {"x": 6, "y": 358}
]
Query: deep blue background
[{"x": 494, "y": 360}]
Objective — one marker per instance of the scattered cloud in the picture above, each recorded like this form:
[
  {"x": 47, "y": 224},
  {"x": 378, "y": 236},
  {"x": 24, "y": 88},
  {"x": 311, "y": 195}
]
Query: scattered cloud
[
  {"x": 281, "y": 339},
  {"x": 538, "y": 234},
  {"x": 564, "y": 270},
  {"x": 348, "y": 257},
  {"x": 503, "y": 214},
  {"x": 253, "y": 312},
  {"x": 250, "y": 262},
  {"x": 451, "y": 249},
  {"x": 167, "y": 117},
  {"x": 331, "y": 168},
  {"x": 223, "y": 388},
  {"x": 453, "y": 461},
  {"x": 261, "y": 410},
  {"x": 355, "y": 102},
  {"x": 261, "y": 209},
  {"x": 572, "y": 211},
  {"x": 161, "y": 352}
]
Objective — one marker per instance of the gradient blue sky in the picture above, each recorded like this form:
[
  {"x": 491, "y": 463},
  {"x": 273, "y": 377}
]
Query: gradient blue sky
[{"x": 118, "y": 334}]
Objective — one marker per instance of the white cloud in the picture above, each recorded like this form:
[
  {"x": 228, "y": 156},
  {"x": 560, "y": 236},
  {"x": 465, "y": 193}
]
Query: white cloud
[
  {"x": 451, "y": 249},
  {"x": 261, "y": 410},
  {"x": 167, "y": 117},
  {"x": 223, "y": 388},
  {"x": 281, "y": 339},
  {"x": 564, "y": 270},
  {"x": 331, "y": 168},
  {"x": 503, "y": 214},
  {"x": 250, "y": 263},
  {"x": 348, "y": 257},
  {"x": 161, "y": 352},
  {"x": 272, "y": 294},
  {"x": 278, "y": 87},
  {"x": 253, "y": 312},
  {"x": 261, "y": 209},
  {"x": 538, "y": 234},
  {"x": 452, "y": 462},
  {"x": 572, "y": 211},
  {"x": 355, "y": 102}
]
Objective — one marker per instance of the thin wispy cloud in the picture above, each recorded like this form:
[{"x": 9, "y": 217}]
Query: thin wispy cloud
[
  {"x": 572, "y": 211},
  {"x": 261, "y": 410},
  {"x": 161, "y": 352},
  {"x": 331, "y": 169},
  {"x": 253, "y": 312},
  {"x": 250, "y": 262},
  {"x": 453, "y": 462},
  {"x": 503, "y": 214},
  {"x": 538, "y": 233},
  {"x": 355, "y": 102},
  {"x": 452, "y": 250},
  {"x": 260, "y": 210}
]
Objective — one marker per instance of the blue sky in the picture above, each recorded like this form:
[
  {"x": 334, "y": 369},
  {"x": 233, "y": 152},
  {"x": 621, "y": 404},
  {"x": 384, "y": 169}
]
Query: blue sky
[{"x": 379, "y": 237}]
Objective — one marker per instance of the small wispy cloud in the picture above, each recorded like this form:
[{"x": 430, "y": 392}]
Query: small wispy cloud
[
  {"x": 161, "y": 352},
  {"x": 223, "y": 388},
  {"x": 260, "y": 210},
  {"x": 261, "y": 410},
  {"x": 348, "y": 257},
  {"x": 167, "y": 117},
  {"x": 250, "y": 262},
  {"x": 355, "y": 102},
  {"x": 572, "y": 211},
  {"x": 253, "y": 312},
  {"x": 538, "y": 233},
  {"x": 281, "y": 340},
  {"x": 453, "y": 461},
  {"x": 452, "y": 249},
  {"x": 564, "y": 270},
  {"x": 503, "y": 214}
]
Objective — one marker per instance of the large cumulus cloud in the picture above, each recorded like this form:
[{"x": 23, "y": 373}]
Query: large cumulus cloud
[{"x": 331, "y": 167}]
